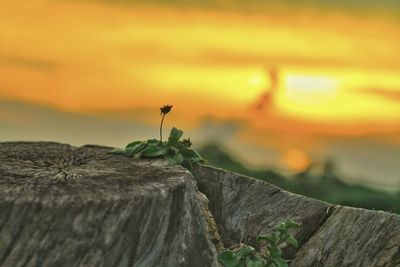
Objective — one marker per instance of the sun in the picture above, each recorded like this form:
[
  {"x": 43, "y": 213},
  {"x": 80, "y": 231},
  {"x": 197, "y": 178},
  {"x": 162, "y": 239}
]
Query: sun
[
  {"x": 309, "y": 95},
  {"x": 309, "y": 89},
  {"x": 296, "y": 160}
]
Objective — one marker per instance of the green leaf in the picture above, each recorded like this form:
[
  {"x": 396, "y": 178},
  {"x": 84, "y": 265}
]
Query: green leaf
[
  {"x": 175, "y": 158},
  {"x": 154, "y": 151},
  {"x": 190, "y": 154},
  {"x": 137, "y": 155},
  {"x": 179, "y": 158},
  {"x": 130, "y": 145},
  {"x": 174, "y": 136},
  {"x": 229, "y": 259},
  {"x": 282, "y": 227},
  {"x": 291, "y": 224},
  {"x": 275, "y": 252},
  {"x": 246, "y": 250},
  {"x": 255, "y": 262},
  {"x": 135, "y": 148},
  {"x": 272, "y": 238},
  {"x": 291, "y": 240},
  {"x": 194, "y": 155},
  {"x": 172, "y": 150},
  {"x": 279, "y": 262}
]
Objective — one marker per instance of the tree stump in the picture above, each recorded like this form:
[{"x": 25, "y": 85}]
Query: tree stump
[
  {"x": 329, "y": 235},
  {"x": 354, "y": 237},
  {"x": 67, "y": 206},
  {"x": 244, "y": 207}
]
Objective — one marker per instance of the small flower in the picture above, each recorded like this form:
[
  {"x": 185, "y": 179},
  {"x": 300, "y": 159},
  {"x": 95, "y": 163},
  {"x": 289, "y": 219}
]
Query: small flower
[
  {"x": 165, "y": 109},
  {"x": 187, "y": 142}
]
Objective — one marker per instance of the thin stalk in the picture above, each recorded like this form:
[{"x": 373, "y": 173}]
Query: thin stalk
[{"x": 161, "y": 125}]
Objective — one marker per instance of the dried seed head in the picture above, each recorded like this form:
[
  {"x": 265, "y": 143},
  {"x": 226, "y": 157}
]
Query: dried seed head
[{"x": 165, "y": 109}]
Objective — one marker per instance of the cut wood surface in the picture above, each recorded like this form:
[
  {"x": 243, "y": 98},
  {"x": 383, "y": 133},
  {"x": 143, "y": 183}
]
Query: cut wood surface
[
  {"x": 329, "y": 236},
  {"x": 81, "y": 206},
  {"x": 67, "y": 206}
]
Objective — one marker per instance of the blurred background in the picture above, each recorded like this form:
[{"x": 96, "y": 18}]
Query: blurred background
[{"x": 304, "y": 94}]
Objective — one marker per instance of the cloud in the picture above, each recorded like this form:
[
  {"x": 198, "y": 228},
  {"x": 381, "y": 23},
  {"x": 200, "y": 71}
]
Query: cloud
[
  {"x": 391, "y": 95},
  {"x": 25, "y": 62}
]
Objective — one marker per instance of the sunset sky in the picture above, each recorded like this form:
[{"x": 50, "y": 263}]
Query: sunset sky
[{"x": 278, "y": 84}]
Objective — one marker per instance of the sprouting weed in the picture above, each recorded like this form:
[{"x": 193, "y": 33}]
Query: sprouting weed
[
  {"x": 269, "y": 253},
  {"x": 175, "y": 150}
]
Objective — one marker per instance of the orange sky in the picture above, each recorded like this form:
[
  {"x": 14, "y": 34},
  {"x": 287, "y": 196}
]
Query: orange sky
[
  {"x": 85, "y": 55},
  {"x": 337, "y": 73}
]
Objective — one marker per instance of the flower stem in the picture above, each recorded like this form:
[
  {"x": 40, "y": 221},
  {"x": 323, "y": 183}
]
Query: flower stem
[{"x": 161, "y": 125}]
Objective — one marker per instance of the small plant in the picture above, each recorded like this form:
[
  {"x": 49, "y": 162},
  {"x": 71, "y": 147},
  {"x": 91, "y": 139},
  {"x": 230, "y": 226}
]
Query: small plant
[
  {"x": 164, "y": 111},
  {"x": 175, "y": 150},
  {"x": 269, "y": 253}
]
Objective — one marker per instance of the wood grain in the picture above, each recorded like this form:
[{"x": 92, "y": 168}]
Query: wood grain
[
  {"x": 329, "y": 236},
  {"x": 81, "y": 206}
]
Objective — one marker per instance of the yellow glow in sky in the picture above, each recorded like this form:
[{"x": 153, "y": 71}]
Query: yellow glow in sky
[
  {"x": 85, "y": 56},
  {"x": 311, "y": 89},
  {"x": 340, "y": 95},
  {"x": 296, "y": 160}
]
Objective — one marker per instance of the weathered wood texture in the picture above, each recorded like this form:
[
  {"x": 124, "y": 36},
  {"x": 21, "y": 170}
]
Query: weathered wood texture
[
  {"x": 244, "y": 207},
  {"x": 354, "y": 238},
  {"x": 67, "y": 206},
  {"x": 330, "y": 236}
]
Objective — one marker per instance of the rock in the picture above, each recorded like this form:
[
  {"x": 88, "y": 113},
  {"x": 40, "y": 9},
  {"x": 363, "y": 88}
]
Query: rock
[{"x": 67, "y": 206}]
